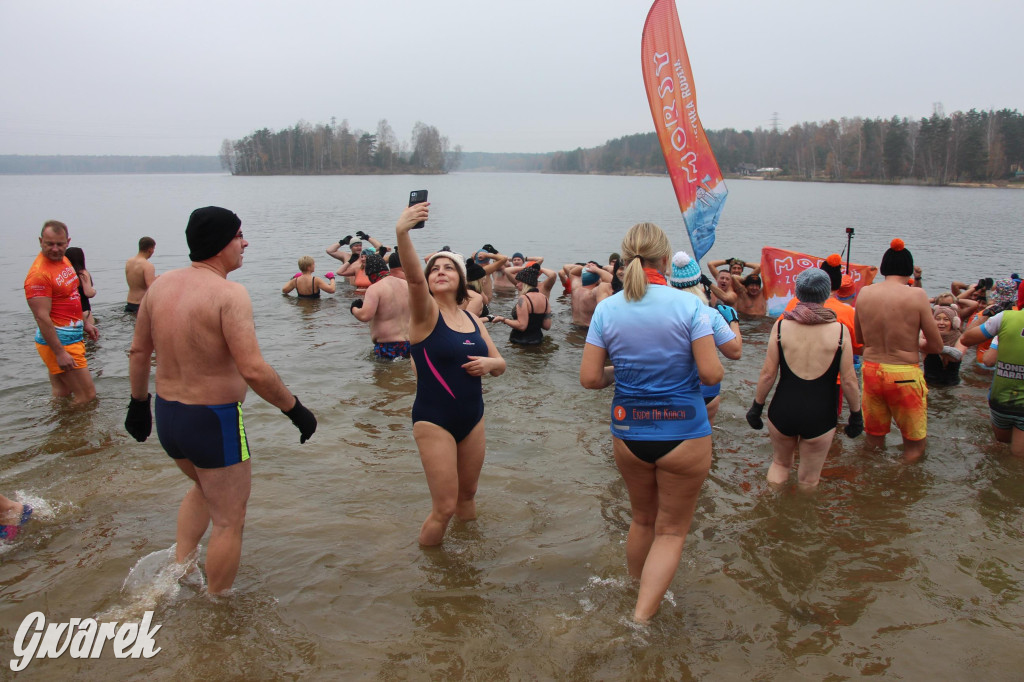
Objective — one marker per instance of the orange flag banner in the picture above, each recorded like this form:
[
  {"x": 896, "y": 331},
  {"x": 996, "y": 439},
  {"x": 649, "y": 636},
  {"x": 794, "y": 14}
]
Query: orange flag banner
[
  {"x": 696, "y": 179},
  {"x": 779, "y": 269}
]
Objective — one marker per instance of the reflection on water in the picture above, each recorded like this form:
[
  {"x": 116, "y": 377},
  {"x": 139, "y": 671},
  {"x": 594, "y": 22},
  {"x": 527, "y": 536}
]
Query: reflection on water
[{"x": 876, "y": 572}]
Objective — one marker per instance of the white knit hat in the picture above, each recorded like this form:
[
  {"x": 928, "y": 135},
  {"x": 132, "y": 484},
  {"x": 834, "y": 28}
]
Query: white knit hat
[
  {"x": 456, "y": 258},
  {"x": 685, "y": 271}
]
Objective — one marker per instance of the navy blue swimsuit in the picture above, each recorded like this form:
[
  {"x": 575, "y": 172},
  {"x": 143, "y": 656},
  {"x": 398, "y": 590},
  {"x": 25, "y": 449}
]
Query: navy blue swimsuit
[{"x": 446, "y": 394}]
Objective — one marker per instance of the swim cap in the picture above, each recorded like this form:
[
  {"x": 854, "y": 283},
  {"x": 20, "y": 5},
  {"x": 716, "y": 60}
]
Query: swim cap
[
  {"x": 897, "y": 260},
  {"x": 368, "y": 250},
  {"x": 685, "y": 271},
  {"x": 460, "y": 264},
  {"x": 375, "y": 268},
  {"x": 518, "y": 255},
  {"x": 813, "y": 286},
  {"x": 474, "y": 271},
  {"x": 528, "y": 276},
  {"x": 209, "y": 230},
  {"x": 394, "y": 261},
  {"x": 833, "y": 267},
  {"x": 589, "y": 278}
]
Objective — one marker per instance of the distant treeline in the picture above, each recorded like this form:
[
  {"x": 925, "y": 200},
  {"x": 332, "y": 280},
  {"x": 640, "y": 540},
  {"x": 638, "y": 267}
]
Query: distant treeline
[
  {"x": 983, "y": 146},
  {"x": 31, "y": 165},
  {"x": 976, "y": 146},
  {"x": 326, "y": 149}
]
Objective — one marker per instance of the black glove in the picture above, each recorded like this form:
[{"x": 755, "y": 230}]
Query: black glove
[
  {"x": 489, "y": 249},
  {"x": 139, "y": 422},
  {"x": 754, "y": 415},
  {"x": 382, "y": 250},
  {"x": 362, "y": 235},
  {"x": 705, "y": 280},
  {"x": 345, "y": 241},
  {"x": 303, "y": 419},
  {"x": 358, "y": 303},
  {"x": 353, "y": 258},
  {"x": 855, "y": 425}
]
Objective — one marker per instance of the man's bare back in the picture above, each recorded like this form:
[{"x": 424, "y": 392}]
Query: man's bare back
[
  {"x": 140, "y": 274},
  {"x": 584, "y": 300},
  {"x": 890, "y": 316},
  {"x": 502, "y": 281},
  {"x": 193, "y": 314},
  {"x": 386, "y": 308}
]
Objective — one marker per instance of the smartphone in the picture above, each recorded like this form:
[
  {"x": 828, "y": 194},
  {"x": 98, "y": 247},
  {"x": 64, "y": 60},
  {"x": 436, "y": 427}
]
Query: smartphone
[{"x": 418, "y": 197}]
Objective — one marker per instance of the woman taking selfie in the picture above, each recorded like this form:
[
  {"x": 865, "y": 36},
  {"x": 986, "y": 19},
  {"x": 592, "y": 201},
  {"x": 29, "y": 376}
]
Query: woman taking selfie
[{"x": 451, "y": 351}]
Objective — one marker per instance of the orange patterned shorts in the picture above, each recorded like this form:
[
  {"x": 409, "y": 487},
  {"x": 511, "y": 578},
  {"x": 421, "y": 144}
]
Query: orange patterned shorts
[
  {"x": 894, "y": 393},
  {"x": 75, "y": 350}
]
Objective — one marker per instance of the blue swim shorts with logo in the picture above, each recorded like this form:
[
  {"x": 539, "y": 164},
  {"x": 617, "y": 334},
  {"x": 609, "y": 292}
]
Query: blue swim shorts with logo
[{"x": 209, "y": 436}]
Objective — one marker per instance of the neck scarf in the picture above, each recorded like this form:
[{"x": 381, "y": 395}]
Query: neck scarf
[
  {"x": 654, "y": 277},
  {"x": 377, "y": 276},
  {"x": 810, "y": 313}
]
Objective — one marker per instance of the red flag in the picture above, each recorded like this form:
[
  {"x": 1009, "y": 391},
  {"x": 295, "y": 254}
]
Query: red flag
[
  {"x": 696, "y": 179},
  {"x": 780, "y": 267}
]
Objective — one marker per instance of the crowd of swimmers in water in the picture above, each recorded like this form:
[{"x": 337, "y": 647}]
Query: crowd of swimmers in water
[{"x": 656, "y": 329}]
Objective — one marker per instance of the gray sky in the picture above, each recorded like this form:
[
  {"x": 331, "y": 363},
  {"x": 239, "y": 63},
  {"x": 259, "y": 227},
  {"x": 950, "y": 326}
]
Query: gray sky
[{"x": 178, "y": 77}]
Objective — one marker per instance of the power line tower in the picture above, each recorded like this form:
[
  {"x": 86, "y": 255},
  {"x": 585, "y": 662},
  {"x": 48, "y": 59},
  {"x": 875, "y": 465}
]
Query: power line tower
[
  {"x": 775, "y": 122},
  {"x": 938, "y": 109}
]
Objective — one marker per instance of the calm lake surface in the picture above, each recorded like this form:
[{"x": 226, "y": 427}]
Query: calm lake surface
[{"x": 906, "y": 572}]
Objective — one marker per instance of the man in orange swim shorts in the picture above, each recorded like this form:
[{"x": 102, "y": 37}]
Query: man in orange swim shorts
[
  {"x": 51, "y": 288},
  {"x": 889, "y": 319}
]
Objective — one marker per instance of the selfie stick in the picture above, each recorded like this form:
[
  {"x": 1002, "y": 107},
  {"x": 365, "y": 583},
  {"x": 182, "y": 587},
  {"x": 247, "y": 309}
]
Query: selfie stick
[{"x": 849, "y": 238}]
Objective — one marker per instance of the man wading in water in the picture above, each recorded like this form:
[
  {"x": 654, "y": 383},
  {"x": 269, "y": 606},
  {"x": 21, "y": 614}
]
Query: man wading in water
[
  {"x": 890, "y": 317},
  {"x": 202, "y": 330}
]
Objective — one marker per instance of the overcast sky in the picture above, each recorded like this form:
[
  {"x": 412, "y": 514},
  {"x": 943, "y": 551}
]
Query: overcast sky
[{"x": 178, "y": 77}]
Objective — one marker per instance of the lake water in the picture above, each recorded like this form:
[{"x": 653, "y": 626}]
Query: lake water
[{"x": 887, "y": 569}]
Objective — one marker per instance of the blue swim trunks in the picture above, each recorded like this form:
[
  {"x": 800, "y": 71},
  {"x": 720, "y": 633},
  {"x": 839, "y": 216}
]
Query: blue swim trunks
[
  {"x": 392, "y": 350},
  {"x": 209, "y": 436}
]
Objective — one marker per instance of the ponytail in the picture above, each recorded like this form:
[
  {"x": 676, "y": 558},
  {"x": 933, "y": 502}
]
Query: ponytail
[
  {"x": 634, "y": 280},
  {"x": 644, "y": 245}
]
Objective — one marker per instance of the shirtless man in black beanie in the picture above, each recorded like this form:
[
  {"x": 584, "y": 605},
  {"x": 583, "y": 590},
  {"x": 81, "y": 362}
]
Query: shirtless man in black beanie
[
  {"x": 201, "y": 327},
  {"x": 889, "y": 320}
]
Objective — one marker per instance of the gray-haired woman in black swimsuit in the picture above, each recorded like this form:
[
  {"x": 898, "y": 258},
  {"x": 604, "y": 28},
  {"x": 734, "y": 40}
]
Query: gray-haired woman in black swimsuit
[{"x": 806, "y": 342}]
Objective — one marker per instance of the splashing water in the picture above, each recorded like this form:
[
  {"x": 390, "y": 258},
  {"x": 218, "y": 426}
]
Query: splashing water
[{"x": 155, "y": 578}]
